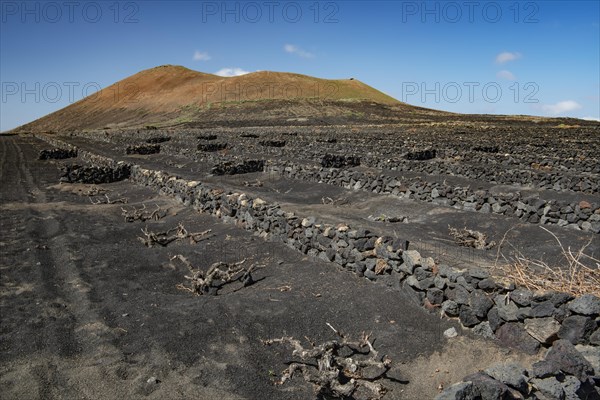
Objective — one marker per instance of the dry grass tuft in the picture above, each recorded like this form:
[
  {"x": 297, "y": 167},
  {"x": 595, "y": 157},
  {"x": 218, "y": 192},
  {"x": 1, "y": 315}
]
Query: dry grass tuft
[{"x": 576, "y": 274}]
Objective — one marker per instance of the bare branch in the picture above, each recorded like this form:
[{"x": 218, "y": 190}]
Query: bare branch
[
  {"x": 95, "y": 191},
  {"x": 256, "y": 183},
  {"x": 469, "y": 238},
  {"x": 177, "y": 233},
  {"x": 338, "y": 201},
  {"x": 141, "y": 214},
  {"x": 107, "y": 200},
  {"x": 334, "y": 374},
  {"x": 217, "y": 275}
]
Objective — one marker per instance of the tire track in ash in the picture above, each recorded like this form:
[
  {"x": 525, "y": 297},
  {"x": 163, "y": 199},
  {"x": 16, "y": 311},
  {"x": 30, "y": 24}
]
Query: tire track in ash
[
  {"x": 12, "y": 156},
  {"x": 59, "y": 333},
  {"x": 9, "y": 158}
]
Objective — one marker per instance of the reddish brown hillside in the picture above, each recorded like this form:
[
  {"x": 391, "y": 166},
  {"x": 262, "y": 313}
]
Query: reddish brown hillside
[{"x": 174, "y": 94}]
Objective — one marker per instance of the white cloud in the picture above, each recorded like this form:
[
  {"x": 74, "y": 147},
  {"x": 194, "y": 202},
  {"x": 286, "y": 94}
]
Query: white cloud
[
  {"x": 506, "y": 74},
  {"x": 200, "y": 56},
  {"x": 290, "y": 48},
  {"x": 591, "y": 118},
  {"x": 561, "y": 107},
  {"x": 231, "y": 72},
  {"x": 506, "y": 57}
]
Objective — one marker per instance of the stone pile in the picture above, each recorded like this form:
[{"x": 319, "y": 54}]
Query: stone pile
[
  {"x": 336, "y": 161},
  {"x": 143, "y": 149},
  {"x": 241, "y": 168},
  {"x": 57, "y": 154},
  {"x": 420, "y": 155},
  {"x": 94, "y": 175},
  {"x": 212, "y": 147},
  {"x": 207, "y": 137},
  {"x": 160, "y": 139}
]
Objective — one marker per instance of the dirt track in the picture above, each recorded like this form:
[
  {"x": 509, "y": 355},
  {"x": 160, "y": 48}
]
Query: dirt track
[{"x": 89, "y": 312}]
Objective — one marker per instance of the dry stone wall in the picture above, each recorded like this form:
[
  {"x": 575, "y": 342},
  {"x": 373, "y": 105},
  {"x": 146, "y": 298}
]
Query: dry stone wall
[{"x": 583, "y": 215}]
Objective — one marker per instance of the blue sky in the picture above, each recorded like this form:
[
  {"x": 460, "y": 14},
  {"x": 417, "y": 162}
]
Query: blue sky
[{"x": 500, "y": 57}]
